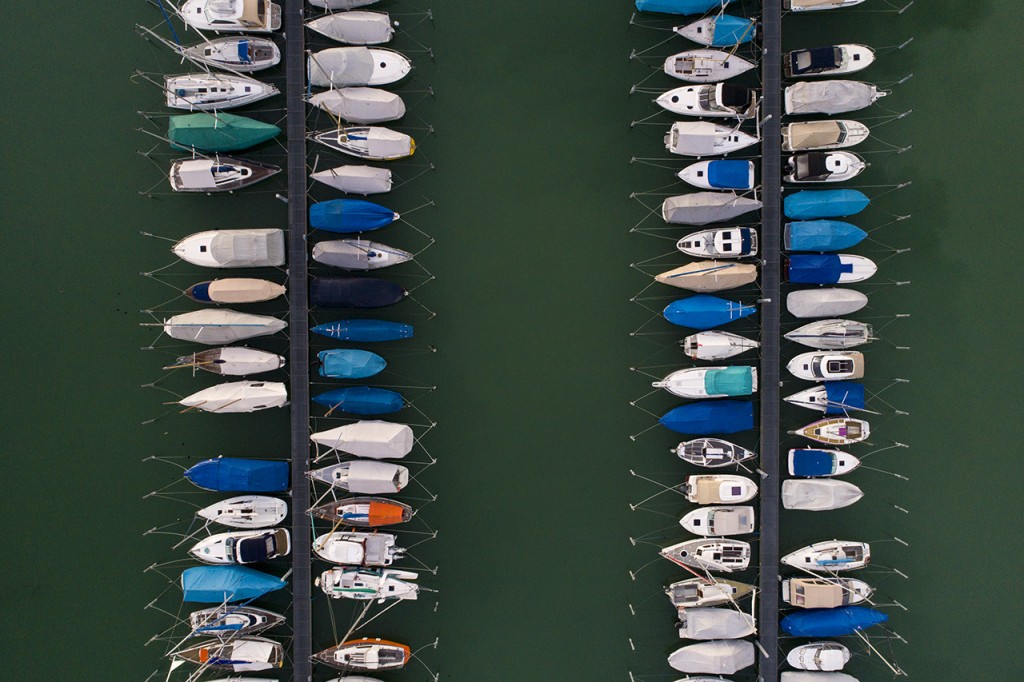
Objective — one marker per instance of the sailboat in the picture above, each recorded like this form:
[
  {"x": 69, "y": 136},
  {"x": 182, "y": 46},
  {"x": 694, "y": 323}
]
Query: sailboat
[
  {"x": 364, "y": 512},
  {"x": 363, "y": 584},
  {"x": 230, "y": 361},
  {"x": 217, "y": 174},
  {"x": 246, "y": 511},
  {"x": 355, "y": 28},
  {"x": 238, "y": 396},
  {"x": 365, "y": 655},
  {"x": 214, "y": 91},
  {"x": 697, "y": 592},
  {"x": 706, "y": 65},
  {"x": 241, "y": 654},
  {"x": 716, "y": 345},
  {"x": 233, "y": 621},
  {"x": 217, "y": 326},
  {"x": 357, "y": 548},
  {"x": 712, "y": 453},
  {"x": 364, "y": 477}
]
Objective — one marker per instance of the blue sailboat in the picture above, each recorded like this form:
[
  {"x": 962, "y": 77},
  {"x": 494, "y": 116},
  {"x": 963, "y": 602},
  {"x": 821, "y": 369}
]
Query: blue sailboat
[
  {"x": 824, "y": 203},
  {"x": 237, "y": 475},
  {"x": 361, "y": 400},
  {"x": 837, "y": 622},
  {"x": 723, "y": 30},
  {"x": 349, "y": 363},
  {"x": 705, "y": 312},
  {"x": 364, "y": 330},
  {"x": 354, "y": 292},
  {"x": 219, "y": 584},
  {"x": 679, "y": 6},
  {"x": 346, "y": 216},
  {"x": 821, "y": 235},
  {"x": 817, "y": 268},
  {"x": 710, "y": 417}
]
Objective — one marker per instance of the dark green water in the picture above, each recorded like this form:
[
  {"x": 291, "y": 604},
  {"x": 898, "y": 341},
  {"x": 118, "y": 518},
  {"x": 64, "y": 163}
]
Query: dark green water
[{"x": 532, "y": 217}]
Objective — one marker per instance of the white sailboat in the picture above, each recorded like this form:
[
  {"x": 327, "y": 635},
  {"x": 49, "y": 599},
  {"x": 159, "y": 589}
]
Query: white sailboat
[{"x": 238, "y": 396}]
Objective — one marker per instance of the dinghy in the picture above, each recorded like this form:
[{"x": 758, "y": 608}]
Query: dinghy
[
  {"x": 697, "y": 592},
  {"x": 824, "y": 593},
  {"x": 723, "y": 657},
  {"x": 239, "y": 475},
  {"x": 711, "y": 623},
  {"x": 704, "y": 138},
  {"x": 356, "y": 254},
  {"x": 248, "y": 16},
  {"x": 816, "y": 5},
  {"x": 712, "y": 453},
  {"x": 238, "y": 397},
  {"x": 357, "y": 548},
  {"x": 221, "y": 584},
  {"x": 364, "y": 512},
  {"x": 214, "y": 327},
  {"x": 832, "y": 365},
  {"x": 364, "y": 330},
  {"x": 235, "y": 290},
  {"x": 222, "y": 132},
  {"x": 706, "y": 66},
  {"x": 829, "y": 268},
  {"x": 214, "y": 91},
  {"x": 719, "y": 521},
  {"x": 243, "y": 54},
  {"x": 710, "y": 382},
  {"x": 230, "y": 361},
  {"x": 845, "y": 620},
  {"x": 721, "y": 30},
  {"x": 679, "y": 6},
  {"x": 832, "y": 334},
  {"x": 340, "y": 67},
  {"x": 361, "y": 400},
  {"x": 719, "y": 174},
  {"x": 841, "y": 431},
  {"x": 709, "y": 275},
  {"x": 710, "y": 417},
  {"x": 368, "y": 584},
  {"x": 829, "y": 97},
  {"x": 835, "y": 166},
  {"x": 348, "y": 216},
  {"x": 243, "y": 547},
  {"x": 825, "y": 656},
  {"x": 824, "y": 302},
  {"x": 219, "y": 174},
  {"x": 701, "y": 208},
  {"x": 827, "y": 134},
  {"x": 710, "y": 554},
  {"x": 356, "y": 179},
  {"x": 246, "y": 511},
  {"x": 716, "y": 345},
  {"x": 372, "y": 143},
  {"x": 365, "y": 655},
  {"x": 830, "y": 398},
  {"x": 369, "y": 438},
  {"x": 360, "y": 105},
  {"x": 714, "y": 100},
  {"x": 809, "y": 204},
  {"x": 363, "y": 477},
  {"x": 354, "y": 292},
  {"x": 705, "y": 312},
  {"x": 349, "y": 363},
  {"x": 355, "y": 28},
  {"x": 719, "y": 489},
  {"x": 233, "y": 621},
  {"x": 252, "y": 248},
  {"x": 816, "y": 463},
  {"x": 818, "y": 495},
  {"x": 821, "y": 235},
  {"x": 241, "y": 654},
  {"x": 833, "y": 60},
  {"x": 830, "y": 556}
]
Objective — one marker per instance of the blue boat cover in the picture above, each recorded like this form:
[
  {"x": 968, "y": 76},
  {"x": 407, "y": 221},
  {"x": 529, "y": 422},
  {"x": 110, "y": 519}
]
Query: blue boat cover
[
  {"x": 679, "y": 6},
  {"x": 201, "y": 292},
  {"x": 705, "y": 312},
  {"x": 349, "y": 363},
  {"x": 821, "y": 235},
  {"x": 361, "y": 400},
  {"x": 354, "y": 292},
  {"x": 365, "y": 330},
  {"x": 811, "y": 462},
  {"x": 845, "y": 620},
  {"x": 729, "y": 174},
  {"x": 349, "y": 215},
  {"x": 710, "y": 417},
  {"x": 738, "y": 380},
  {"x": 817, "y": 268},
  {"x": 243, "y": 51},
  {"x": 824, "y": 203},
  {"x": 730, "y": 30},
  {"x": 252, "y": 550},
  {"x": 843, "y": 396},
  {"x": 218, "y": 584},
  {"x": 232, "y": 474}
]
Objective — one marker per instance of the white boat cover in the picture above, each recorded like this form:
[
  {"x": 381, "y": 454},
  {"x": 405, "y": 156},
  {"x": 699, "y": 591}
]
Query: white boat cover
[
  {"x": 721, "y": 656},
  {"x": 701, "y": 208},
  {"x": 260, "y": 655},
  {"x": 364, "y": 476},
  {"x": 369, "y": 438},
  {"x": 360, "y": 105},
  {"x": 356, "y": 179},
  {"x": 805, "y": 676},
  {"x": 214, "y": 327},
  {"x": 341, "y": 4},
  {"x": 709, "y": 623},
  {"x": 355, "y": 28},
  {"x": 196, "y": 174},
  {"x": 340, "y": 67},
  {"x": 697, "y": 138},
  {"x": 238, "y": 396},
  {"x": 829, "y": 97},
  {"x": 247, "y": 248},
  {"x": 374, "y": 142},
  {"x": 826, "y": 655},
  {"x": 243, "y": 290},
  {"x": 824, "y": 302},
  {"x": 816, "y": 495},
  {"x": 814, "y": 4}
]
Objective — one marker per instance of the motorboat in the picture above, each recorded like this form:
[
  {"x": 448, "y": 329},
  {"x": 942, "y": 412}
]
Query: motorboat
[
  {"x": 831, "y": 166},
  {"x": 373, "y": 439},
  {"x": 698, "y": 592},
  {"x": 817, "y": 5},
  {"x": 216, "y": 326},
  {"x": 368, "y": 584},
  {"x": 364, "y": 512},
  {"x": 824, "y": 302},
  {"x": 710, "y": 382},
  {"x": 372, "y": 143},
  {"x": 246, "y": 511},
  {"x": 710, "y": 417},
  {"x": 719, "y": 30},
  {"x": 824, "y": 593},
  {"x": 212, "y": 91},
  {"x": 232, "y": 16},
  {"x": 233, "y": 621},
  {"x": 357, "y": 254},
  {"x": 709, "y": 275},
  {"x": 705, "y": 312},
  {"x": 217, "y": 174},
  {"x": 727, "y": 174},
  {"x": 710, "y": 554},
  {"x": 815, "y": 462},
  {"x": 220, "y": 132},
  {"x": 243, "y": 547},
  {"x": 247, "y": 248},
  {"x": 716, "y": 345},
  {"x": 832, "y": 365},
  {"x": 706, "y": 65},
  {"x": 365, "y": 655},
  {"x": 364, "y": 330},
  {"x": 723, "y": 656},
  {"x": 239, "y": 654},
  {"x": 239, "y": 475},
  {"x": 712, "y": 453},
  {"x": 719, "y": 489},
  {"x": 826, "y": 134},
  {"x": 828, "y": 334},
  {"x": 830, "y": 556},
  {"x": 363, "y": 476},
  {"x": 842, "y": 431},
  {"x": 243, "y": 54},
  {"x": 238, "y": 397},
  {"x": 701, "y": 208},
  {"x": 829, "y": 268},
  {"x": 818, "y": 494},
  {"x": 362, "y": 180},
  {"x": 349, "y": 363},
  {"x": 355, "y": 28},
  {"x": 230, "y": 361},
  {"x": 719, "y": 521},
  {"x": 704, "y": 138},
  {"x": 821, "y": 235},
  {"x": 342, "y": 67},
  {"x": 829, "y": 97},
  {"x": 350, "y": 216},
  {"x": 357, "y": 548},
  {"x": 825, "y": 656},
  {"x": 232, "y": 290},
  {"x": 360, "y": 105},
  {"x": 713, "y": 100},
  {"x": 705, "y": 623},
  {"x": 831, "y": 397},
  {"x": 833, "y": 60}
]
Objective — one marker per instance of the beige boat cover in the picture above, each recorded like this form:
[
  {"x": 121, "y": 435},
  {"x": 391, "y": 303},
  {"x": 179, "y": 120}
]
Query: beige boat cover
[
  {"x": 814, "y": 134},
  {"x": 723, "y": 657},
  {"x": 248, "y": 248},
  {"x": 217, "y": 327},
  {"x": 243, "y": 290},
  {"x": 340, "y": 67},
  {"x": 251, "y": 14},
  {"x": 816, "y": 594},
  {"x": 709, "y": 275},
  {"x": 710, "y": 623},
  {"x": 814, "y": 495},
  {"x": 731, "y": 520},
  {"x": 701, "y": 208}
]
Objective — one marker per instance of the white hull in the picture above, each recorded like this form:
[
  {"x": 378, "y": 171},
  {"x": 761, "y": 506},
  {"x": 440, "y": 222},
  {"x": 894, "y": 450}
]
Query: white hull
[
  {"x": 712, "y": 453},
  {"x": 357, "y": 549},
  {"x": 245, "y": 248},
  {"x": 826, "y": 134},
  {"x": 824, "y": 302},
  {"x": 702, "y": 31},
  {"x": 689, "y": 383},
  {"x": 703, "y": 624},
  {"x": 696, "y": 174},
  {"x": 819, "y": 494},
  {"x": 827, "y": 365},
  {"x": 839, "y": 167},
  {"x": 231, "y": 16},
  {"x": 214, "y": 327},
  {"x": 699, "y": 100},
  {"x": 246, "y": 511},
  {"x": 328, "y": 68},
  {"x": 706, "y": 66},
  {"x": 824, "y": 656},
  {"x": 354, "y": 254},
  {"x": 817, "y": 5},
  {"x": 716, "y": 345},
  {"x": 243, "y": 54},
  {"x": 719, "y": 521},
  {"x": 238, "y": 397},
  {"x": 364, "y": 477},
  {"x": 842, "y": 462},
  {"x": 719, "y": 489},
  {"x": 711, "y": 554},
  {"x": 363, "y": 585},
  {"x": 232, "y": 361},
  {"x": 210, "y": 91},
  {"x": 697, "y": 592},
  {"x": 809, "y": 593},
  {"x": 372, "y": 143},
  {"x": 829, "y": 334},
  {"x": 220, "y": 549},
  {"x": 852, "y": 58},
  {"x": 815, "y": 398},
  {"x": 837, "y": 431},
  {"x": 361, "y": 180},
  {"x": 830, "y": 556},
  {"x": 704, "y": 138}
]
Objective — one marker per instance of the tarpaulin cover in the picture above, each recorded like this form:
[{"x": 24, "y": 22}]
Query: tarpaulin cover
[
  {"x": 354, "y": 292},
  {"x": 829, "y": 97},
  {"x": 711, "y": 623},
  {"x": 701, "y": 208},
  {"x": 811, "y": 462},
  {"x": 723, "y": 657},
  {"x": 817, "y": 268},
  {"x": 710, "y": 417},
  {"x": 729, "y": 381},
  {"x": 369, "y": 438},
  {"x": 349, "y": 363},
  {"x": 824, "y": 203},
  {"x": 340, "y": 67},
  {"x": 243, "y": 52},
  {"x": 349, "y": 215},
  {"x": 361, "y": 400},
  {"x": 818, "y": 494},
  {"x": 705, "y": 312},
  {"x": 814, "y": 59},
  {"x": 729, "y": 174},
  {"x": 231, "y": 474},
  {"x": 355, "y": 28},
  {"x": 679, "y": 6},
  {"x": 843, "y": 396},
  {"x": 356, "y": 179},
  {"x": 365, "y": 330},
  {"x": 821, "y": 235},
  {"x": 831, "y": 622},
  {"x": 217, "y": 584},
  {"x": 360, "y": 105},
  {"x": 730, "y": 30},
  {"x": 221, "y": 133}
]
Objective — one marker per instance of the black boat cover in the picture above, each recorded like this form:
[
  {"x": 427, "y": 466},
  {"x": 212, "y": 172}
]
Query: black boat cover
[
  {"x": 354, "y": 292},
  {"x": 815, "y": 60},
  {"x": 735, "y": 96}
]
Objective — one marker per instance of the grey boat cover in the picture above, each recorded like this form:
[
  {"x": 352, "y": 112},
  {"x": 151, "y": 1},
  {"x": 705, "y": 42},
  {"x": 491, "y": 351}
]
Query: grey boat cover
[
  {"x": 248, "y": 248},
  {"x": 370, "y": 477},
  {"x": 819, "y": 495},
  {"x": 341, "y": 4},
  {"x": 340, "y": 67},
  {"x": 701, "y": 208},
  {"x": 829, "y": 97},
  {"x": 805, "y": 676},
  {"x": 369, "y": 438},
  {"x": 824, "y": 302},
  {"x": 720, "y": 656},
  {"x": 707, "y": 623},
  {"x": 360, "y": 105},
  {"x": 355, "y": 28},
  {"x": 355, "y": 254},
  {"x": 217, "y": 327},
  {"x": 356, "y": 179}
]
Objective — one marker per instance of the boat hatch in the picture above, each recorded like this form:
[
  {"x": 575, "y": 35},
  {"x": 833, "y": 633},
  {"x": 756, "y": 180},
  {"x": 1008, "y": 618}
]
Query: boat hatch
[{"x": 840, "y": 366}]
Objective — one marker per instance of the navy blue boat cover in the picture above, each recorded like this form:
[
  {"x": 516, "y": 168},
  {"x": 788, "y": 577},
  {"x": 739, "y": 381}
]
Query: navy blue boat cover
[
  {"x": 217, "y": 584},
  {"x": 709, "y": 417},
  {"x": 679, "y": 6},
  {"x": 349, "y": 215},
  {"x": 845, "y": 620},
  {"x": 817, "y": 268},
  {"x": 201, "y": 292},
  {"x": 811, "y": 462},
  {"x": 365, "y": 330},
  {"x": 354, "y": 292},
  {"x": 361, "y": 400},
  {"x": 231, "y": 474},
  {"x": 252, "y": 550}
]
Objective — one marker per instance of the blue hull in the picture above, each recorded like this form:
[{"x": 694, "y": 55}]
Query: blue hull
[
  {"x": 821, "y": 235},
  {"x": 234, "y": 475},
  {"x": 679, "y": 6},
  {"x": 364, "y": 330},
  {"x": 361, "y": 400},
  {"x": 348, "y": 216}
]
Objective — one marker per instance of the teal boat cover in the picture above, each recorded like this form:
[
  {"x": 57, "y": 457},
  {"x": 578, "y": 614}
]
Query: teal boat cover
[
  {"x": 729, "y": 174},
  {"x": 824, "y": 203},
  {"x": 821, "y": 235},
  {"x": 237, "y": 475},
  {"x": 219, "y": 584},
  {"x": 364, "y": 330},
  {"x": 730, "y": 30},
  {"x": 730, "y": 381},
  {"x": 705, "y": 312},
  {"x": 679, "y": 6},
  {"x": 217, "y": 133},
  {"x": 347, "y": 216},
  {"x": 349, "y": 363},
  {"x": 817, "y": 268}
]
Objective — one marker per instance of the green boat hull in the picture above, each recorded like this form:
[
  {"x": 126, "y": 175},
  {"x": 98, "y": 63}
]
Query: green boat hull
[{"x": 220, "y": 133}]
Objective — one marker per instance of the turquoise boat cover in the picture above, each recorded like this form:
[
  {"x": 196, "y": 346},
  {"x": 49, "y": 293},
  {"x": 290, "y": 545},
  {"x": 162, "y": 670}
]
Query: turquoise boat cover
[
  {"x": 817, "y": 268},
  {"x": 361, "y": 400},
  {"x": 709, "y": 417},
  {"x": 364, "y": 330},
  {"x": 236, "y": 475},
  {"x": 845, "y": 620},
  {"x": 219, "y": 584},
  {"x": 705, "y": 312},
  {"x": 347, "y": 216},
  {"x": 824, "y": 203},
  {"x": 730, "y": 381},
  {"x": 730, "y": 30},
  {"x": 811, "y": 462},
  {"x": 349, "y": 363},
  {"x": 729, "y": 174},
  {"x": 221, "y": 133},
  {"x": 843, "y": 396},
  {"x": 821, "y": 235},
  {"x": 679, "y": 6}
]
